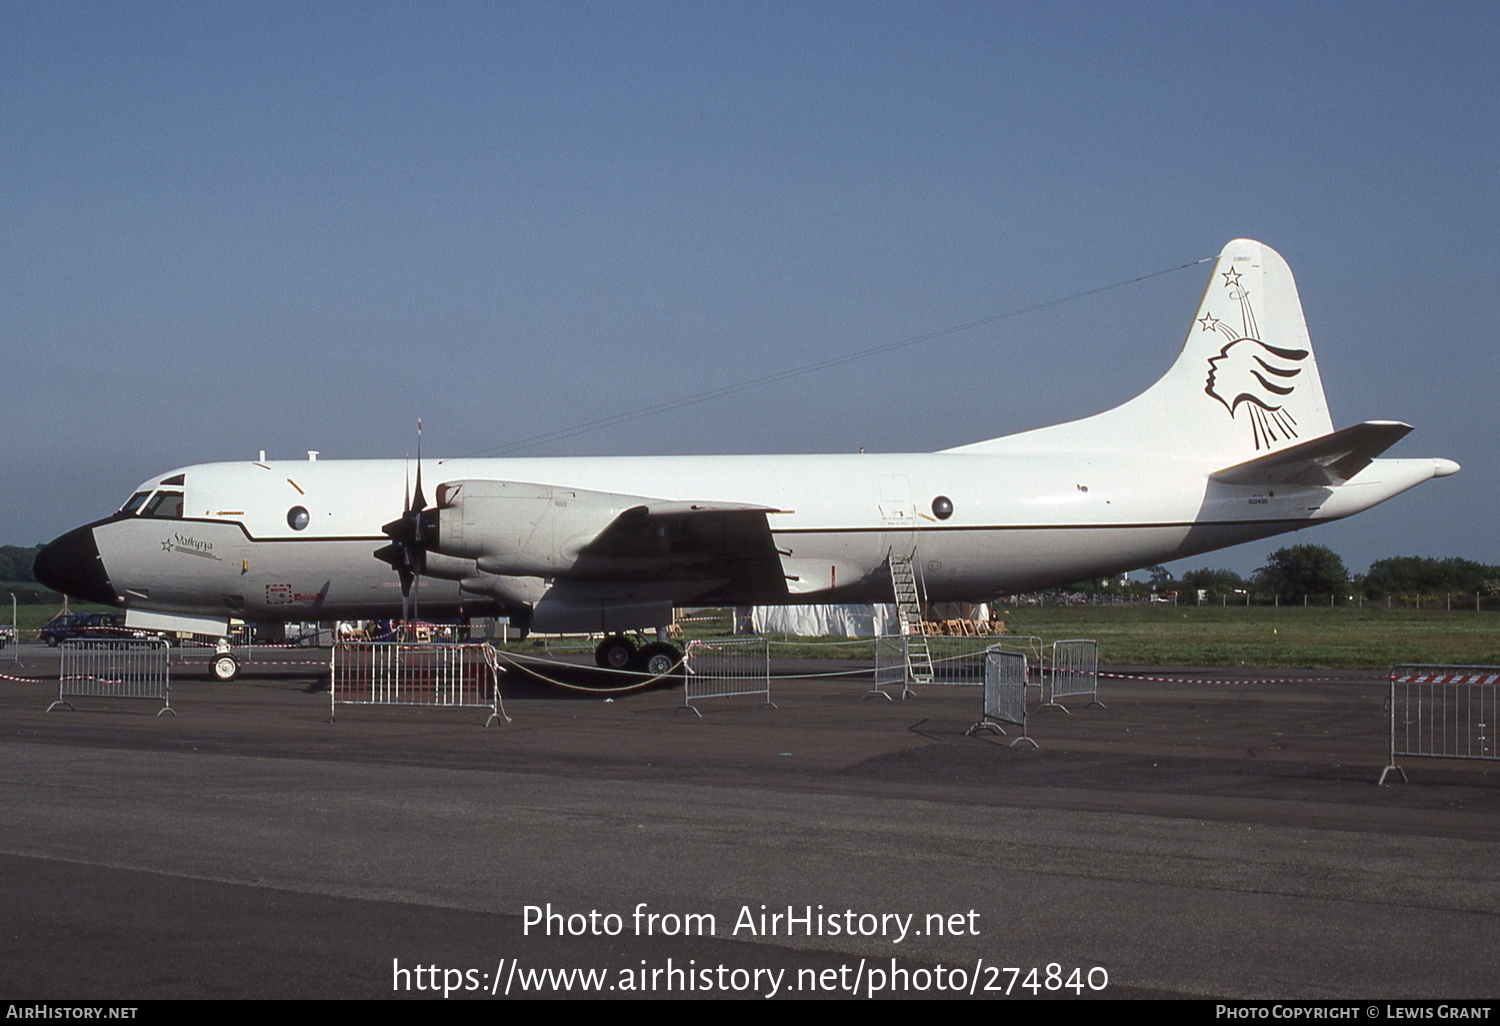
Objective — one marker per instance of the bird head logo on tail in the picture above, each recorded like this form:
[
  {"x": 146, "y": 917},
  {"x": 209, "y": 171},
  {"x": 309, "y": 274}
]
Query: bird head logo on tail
[{"x": 1250, "y": 374}]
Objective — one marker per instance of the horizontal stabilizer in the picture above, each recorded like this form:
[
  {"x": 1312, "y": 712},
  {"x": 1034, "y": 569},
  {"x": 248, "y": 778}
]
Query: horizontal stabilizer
[{"x": 1328, "y": 460}]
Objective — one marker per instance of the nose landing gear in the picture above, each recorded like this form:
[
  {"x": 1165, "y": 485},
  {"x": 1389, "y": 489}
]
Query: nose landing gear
[{"x": 225, "y": 667}]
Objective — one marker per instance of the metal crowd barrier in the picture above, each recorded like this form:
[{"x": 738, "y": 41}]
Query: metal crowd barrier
[
  {"x": 1074, "y": 671},
  {"x": 1443, "y": 712},
  {"x": 955, "y": 660},
  {"x": 10, "y": 635},
  {"x": 958, "y": 660},
  {"x": 117, "y": 668},
  {"x": 891, "y": 666},
  {"x": 1005, "y": 680},
  {"x": 448, "y": 675},
  {"x": 726, "y": 668},
  {"x": 1033, "y": 647}
]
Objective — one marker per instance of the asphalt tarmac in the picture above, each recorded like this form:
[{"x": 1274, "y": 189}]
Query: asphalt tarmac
[{"x": 1209, "y": 834}]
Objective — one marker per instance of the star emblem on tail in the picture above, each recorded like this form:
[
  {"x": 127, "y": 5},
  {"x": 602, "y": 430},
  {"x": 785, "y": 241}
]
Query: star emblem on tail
[{"x": 1250, "y": 374}]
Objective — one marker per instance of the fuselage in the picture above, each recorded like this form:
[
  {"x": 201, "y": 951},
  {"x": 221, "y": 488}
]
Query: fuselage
[{"x": 296, "y": 540}]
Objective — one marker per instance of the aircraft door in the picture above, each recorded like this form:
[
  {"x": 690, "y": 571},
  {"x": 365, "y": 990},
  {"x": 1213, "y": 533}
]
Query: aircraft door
[{"x": 898, "y": 514}]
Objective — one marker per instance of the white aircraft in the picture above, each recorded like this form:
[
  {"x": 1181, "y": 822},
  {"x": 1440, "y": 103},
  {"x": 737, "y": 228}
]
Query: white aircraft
[{"x": 1233, "y": 444}]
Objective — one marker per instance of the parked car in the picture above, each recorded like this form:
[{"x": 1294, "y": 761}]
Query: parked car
[{"x": 83, "y": 625}]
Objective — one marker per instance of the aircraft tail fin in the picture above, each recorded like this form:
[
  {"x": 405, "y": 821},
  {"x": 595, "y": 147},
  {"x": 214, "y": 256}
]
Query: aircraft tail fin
[{"x": 1244, "y": 384}]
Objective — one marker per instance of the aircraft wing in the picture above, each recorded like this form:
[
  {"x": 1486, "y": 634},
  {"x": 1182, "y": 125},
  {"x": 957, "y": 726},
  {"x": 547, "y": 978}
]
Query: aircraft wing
[
  {"x": 685, "y": 541},
  {"x": 1329, "y": 460},
  {"x": 578, "y": 535}
]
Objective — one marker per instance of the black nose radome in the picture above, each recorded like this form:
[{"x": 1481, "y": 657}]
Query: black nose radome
[{"x": 72, "y": 565}]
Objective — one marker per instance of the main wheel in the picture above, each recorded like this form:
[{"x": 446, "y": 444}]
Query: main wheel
[
  {"x": 225, "y": 668},
  {"x": 614, "y": 653},
  {"x": 661, "y": 660}
]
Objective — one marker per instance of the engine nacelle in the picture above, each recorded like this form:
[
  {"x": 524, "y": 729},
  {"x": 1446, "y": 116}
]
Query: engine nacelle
[{"x": 514, "y": 528}]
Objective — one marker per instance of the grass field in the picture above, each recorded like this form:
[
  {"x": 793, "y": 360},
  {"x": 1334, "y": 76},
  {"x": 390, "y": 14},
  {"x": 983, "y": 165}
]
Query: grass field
[
  {"x": 1347, "y": 637},
  {"x": 1343, "y": 638}
]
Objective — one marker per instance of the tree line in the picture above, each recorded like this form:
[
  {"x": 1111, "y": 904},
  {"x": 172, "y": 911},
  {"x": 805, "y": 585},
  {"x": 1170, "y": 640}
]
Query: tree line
[
  {"x": 1308, "y": 573},
  {"x": 15, "y": 563},
  {"x": 1301, "y": 573}
]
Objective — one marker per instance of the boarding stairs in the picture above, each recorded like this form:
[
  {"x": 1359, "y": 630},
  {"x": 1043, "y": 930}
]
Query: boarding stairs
[{"x": 909, "y": 612}]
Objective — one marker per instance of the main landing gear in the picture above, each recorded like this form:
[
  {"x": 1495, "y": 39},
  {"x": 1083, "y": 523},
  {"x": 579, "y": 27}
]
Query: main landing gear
[
  {"x": 616, "y": 652},
  {"x": 659, "y": 658}
]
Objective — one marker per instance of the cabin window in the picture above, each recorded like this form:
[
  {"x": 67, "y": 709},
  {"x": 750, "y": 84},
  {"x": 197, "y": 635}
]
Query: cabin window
[
  {"x": 164, "y": 506},
  {"x": 297, "y": 518},
  {"x": 133, "y": 505},
  {"x": 942, "y": 507}
]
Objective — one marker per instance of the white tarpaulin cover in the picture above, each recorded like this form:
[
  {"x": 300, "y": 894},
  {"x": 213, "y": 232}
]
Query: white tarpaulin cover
[{"x": 849, "y": 621}]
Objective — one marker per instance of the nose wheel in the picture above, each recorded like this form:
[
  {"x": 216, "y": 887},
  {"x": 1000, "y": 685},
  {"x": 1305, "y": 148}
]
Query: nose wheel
[{"x": 225, "y": 667}]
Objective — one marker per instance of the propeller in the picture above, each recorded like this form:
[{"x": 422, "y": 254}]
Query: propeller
[{"x": 407, "y": 552}]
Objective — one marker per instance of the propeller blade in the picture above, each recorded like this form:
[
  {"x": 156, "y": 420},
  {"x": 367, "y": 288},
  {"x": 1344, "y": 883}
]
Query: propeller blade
[
  {"x": 401, "y": 531},
  {"x": 406, "y": 554},
  {"x": 418, "y": 501}
]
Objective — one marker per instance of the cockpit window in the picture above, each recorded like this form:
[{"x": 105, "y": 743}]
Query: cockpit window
[
  {"x": 175, "y": 479},
  {"x": 135, "y": 503},
  {"x": 165, "y": 506}
]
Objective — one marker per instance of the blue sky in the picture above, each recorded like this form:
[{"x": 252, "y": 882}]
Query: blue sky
[{"x": 242, "y": 226}]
